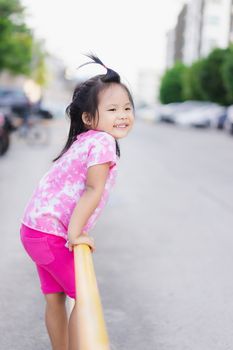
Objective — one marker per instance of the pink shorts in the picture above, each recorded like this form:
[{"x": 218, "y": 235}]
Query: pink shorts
[{"x": 54, "y": 262}]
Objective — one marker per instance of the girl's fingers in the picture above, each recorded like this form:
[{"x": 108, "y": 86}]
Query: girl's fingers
[
  {"x": 70, "y": 247},
  {"x": 82, "y": 238},
  {"x": 85, "y": 240}
]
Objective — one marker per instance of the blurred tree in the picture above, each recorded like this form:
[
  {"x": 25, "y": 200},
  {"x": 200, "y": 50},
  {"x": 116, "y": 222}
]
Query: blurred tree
[
  {"x": 227, "y": 73},
  {"x": 210, "y": 77},
  {"x": 38, "y": 65},
  {"x": 191, "y": 81},
  {"x": 18, "y": 49},
  {"x": 15, "y": 38},
  {"x": 171, "y": 88},
  {"x": 11, "y": 8}
]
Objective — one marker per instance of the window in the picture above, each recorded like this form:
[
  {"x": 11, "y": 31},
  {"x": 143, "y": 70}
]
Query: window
[
  {"x": 215, "y": 1},
  {"x": 213, "y": 20}
]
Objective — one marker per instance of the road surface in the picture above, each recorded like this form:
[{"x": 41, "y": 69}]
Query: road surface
[{"x": 164, "y": 257}]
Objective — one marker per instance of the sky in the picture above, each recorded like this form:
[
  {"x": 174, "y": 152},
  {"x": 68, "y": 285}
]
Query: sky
[{"x": 127, "y": 35}]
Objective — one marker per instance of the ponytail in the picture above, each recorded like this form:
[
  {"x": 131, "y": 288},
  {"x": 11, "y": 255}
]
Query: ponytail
[{"x": 110, "y": 77}]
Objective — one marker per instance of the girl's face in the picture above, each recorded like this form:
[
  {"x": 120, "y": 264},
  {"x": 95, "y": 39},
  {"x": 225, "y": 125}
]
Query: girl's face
[{"x": 116, "y": 115}]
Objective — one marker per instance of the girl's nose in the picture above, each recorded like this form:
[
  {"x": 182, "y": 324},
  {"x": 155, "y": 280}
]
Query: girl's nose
[
  {"x": 122, "y": 118},
  {"x": 123, "y": 115}
]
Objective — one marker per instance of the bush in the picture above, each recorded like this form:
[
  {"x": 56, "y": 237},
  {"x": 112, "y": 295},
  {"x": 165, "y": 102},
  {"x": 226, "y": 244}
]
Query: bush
[
  {"x": 15, "y": 38},
  {"x": 227, "y": 74},
  {"x": 212, "y": 87},
  {"x": 20, "y": 53},
  {"x": 171, "y": 89},
  {"x": 191, "y": 81}
]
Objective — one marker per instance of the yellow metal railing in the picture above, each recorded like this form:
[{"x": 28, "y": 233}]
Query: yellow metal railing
[{"x": 92, "y": 332}]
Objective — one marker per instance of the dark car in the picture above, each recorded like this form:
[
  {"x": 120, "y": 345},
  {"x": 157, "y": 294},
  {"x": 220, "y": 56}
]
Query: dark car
[
  {"x": 15, "y": 100},
  {"x": 229, "y": 121}
]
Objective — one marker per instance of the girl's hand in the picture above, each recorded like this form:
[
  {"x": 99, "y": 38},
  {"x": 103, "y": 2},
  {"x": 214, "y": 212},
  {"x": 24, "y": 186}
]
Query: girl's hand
[{"x": 82, "y": 239}]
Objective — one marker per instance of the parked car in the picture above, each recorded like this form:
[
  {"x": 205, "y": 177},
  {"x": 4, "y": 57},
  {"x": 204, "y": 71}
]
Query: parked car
[
  {"x": 16, "y": 100},
  {"x": 221, "y": 120},
  {"x": 167, "y": 111},
  {"x": 208, "y": 114},
  {"x": 229, "y": 120},
  {"x": 148, "y": 112},
  {"x": 171, "y": 110}
]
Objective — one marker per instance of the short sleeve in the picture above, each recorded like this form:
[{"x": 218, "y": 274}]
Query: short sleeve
[{"x": 102, "y": 150}]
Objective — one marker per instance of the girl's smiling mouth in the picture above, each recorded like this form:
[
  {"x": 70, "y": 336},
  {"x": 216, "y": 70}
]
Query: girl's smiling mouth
[{"x": 121, "y": 126}]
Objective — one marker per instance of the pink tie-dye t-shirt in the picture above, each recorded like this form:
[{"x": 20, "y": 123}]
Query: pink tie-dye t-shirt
[{"x": 53, "y": 201}]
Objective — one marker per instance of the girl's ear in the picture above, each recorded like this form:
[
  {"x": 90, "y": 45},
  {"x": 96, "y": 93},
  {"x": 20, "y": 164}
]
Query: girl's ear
[{"x": 86, "y": 119}]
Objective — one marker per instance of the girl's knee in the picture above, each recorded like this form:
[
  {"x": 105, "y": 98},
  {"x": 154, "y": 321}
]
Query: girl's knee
[{"x": 55, "y": 299}]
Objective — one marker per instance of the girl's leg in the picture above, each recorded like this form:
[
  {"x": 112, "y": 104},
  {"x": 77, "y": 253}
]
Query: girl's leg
[
  {"x": 73, "y": 336},
  {"x": 56, "y": 320}
]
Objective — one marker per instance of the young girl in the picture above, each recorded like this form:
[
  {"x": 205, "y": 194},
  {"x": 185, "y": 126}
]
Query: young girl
[{"x": 71, "y": 195}]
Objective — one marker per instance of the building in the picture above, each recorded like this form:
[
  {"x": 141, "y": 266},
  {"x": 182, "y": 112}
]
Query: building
[
  {"x": 216, "y": 25},
  {"x": 179, "y": 34},
  {"x": 58, "y": 91},
  {"x": 170, "y": 50},
  {"x": 231, "y": 26},
  {"x": 192, "y": 31},
  {"x": 175, "y": 39},
  {"x": 201, "y": 26},
  {"x": 147, "y": 86}
]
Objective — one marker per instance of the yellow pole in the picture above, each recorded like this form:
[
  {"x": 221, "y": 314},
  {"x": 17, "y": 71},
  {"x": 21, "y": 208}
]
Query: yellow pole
[{"x": 92, "y": 333}]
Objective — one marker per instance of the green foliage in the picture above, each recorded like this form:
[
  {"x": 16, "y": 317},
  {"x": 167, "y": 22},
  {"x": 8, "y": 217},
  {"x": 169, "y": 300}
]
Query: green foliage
[
  {"x": 38, "y": 66},
  {"x": 15, "y": 38},
  {"x": 208, "y": 79},
  {"x": 11, "y": 8},
  {"x": 227, "y": 73},
  {"x": 16, "y": 53},
  {"x": 211, "y": 79},
  {"x": 171, "y": 85},
  {"x": 192, "y": 89},
  {"x": 20, "y": 53}
]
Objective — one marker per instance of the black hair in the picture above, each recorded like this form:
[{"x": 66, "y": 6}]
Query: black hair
[{"x": 85, "y": 99}]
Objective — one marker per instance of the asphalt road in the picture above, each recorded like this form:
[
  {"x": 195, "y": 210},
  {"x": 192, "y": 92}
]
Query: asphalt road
[{"x": 164, "y": 257}]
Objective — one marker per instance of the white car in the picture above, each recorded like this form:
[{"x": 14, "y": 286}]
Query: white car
[
  {"x": 171, "y": 110},
  {"x": 150, "y": 113},
  {"x": 207, "y": 115},
  {"x": 167, "y": 111}
]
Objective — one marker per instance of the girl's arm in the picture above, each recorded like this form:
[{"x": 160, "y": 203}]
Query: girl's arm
[{"x": 96, "y": 179}]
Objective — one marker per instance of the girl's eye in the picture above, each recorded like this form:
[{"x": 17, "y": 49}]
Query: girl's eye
[
  {"x": 112, "y": 109},
  {"x": 128, "y": 109}
]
